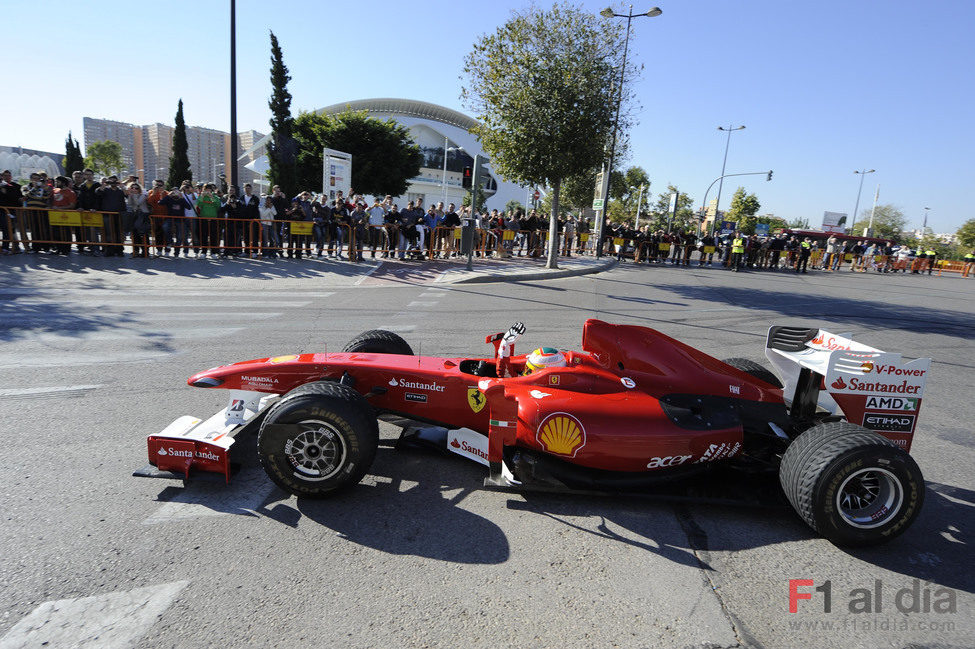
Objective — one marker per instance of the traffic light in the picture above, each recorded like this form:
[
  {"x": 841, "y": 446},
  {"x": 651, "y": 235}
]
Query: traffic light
[
  {"x": 769, "y": 176},
  {"x": 468, "y": 177}
]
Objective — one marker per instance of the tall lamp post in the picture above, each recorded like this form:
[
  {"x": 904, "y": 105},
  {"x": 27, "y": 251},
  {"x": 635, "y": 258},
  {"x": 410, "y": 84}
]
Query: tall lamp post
[
  {"x": 608, "y": 169},
  {"x": 233, "y": 92},
  {"x": 727, "y": 144},
  {"x": 639, "y": 204},
  {"x": 925, "y": 226},
  {"x": 863, "y": 174}
]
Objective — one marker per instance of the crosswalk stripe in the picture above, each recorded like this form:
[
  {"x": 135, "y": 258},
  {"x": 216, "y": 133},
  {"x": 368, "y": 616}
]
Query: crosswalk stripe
[
  {"x": 162, "y": 303},
  {"x": 21, "y": 360},
  {"x": 416, "y": 303},
  {"x": 245, "y": 493},
  {"x": 63, "y": 390},
  {"x": 111, "y": 620},
  {"x": 53, "y": 318}
]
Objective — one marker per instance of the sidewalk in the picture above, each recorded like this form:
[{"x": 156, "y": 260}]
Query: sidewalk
[{"x": 44, "y": 271}]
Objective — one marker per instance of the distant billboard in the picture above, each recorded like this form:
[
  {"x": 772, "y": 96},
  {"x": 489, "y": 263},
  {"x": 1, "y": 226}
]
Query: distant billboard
[
  {"x": 761, "y": 229},
  {"x": 834, "y": 222},
  {"x": 729, "y": 227},
  {"x": 336, "y": 173}
]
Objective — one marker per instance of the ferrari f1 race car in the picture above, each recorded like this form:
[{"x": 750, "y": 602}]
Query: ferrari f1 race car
[{"x": 634, "y": 410}]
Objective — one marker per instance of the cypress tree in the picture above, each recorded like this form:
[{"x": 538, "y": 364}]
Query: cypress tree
[
  {"x": 282, "y": 149},
  {"x": 73, "y": 160},
  {"x": 179, "y": 161}
]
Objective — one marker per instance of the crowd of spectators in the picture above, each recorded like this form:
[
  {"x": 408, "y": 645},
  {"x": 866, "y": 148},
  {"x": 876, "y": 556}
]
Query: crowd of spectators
[{"x": 217, "y": 220}]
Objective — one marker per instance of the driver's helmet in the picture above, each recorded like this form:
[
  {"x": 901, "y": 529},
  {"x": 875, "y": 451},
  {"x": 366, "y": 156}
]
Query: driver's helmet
[{"x": 543, "y": 358}]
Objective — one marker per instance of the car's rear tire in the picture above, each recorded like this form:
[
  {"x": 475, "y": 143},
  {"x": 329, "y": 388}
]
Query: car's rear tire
[
  {"x": 851, "y": 485},
  {"x": 757, "y": 370},
  {"x": 379, "y": 341},
  {"x": 318, "y": 439}
]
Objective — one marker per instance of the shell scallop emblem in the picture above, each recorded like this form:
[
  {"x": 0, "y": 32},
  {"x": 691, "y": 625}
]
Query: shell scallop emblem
[
  {"x": 562, "y": 434},
  {"x": 283, "y": 359}
]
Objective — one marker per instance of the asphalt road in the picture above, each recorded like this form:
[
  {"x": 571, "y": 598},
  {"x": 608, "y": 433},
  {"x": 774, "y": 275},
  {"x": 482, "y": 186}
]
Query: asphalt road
[{"x": 419, "y": 555}]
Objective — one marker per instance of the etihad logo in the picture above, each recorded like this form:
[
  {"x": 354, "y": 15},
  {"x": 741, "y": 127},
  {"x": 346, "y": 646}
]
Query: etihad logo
[
  {"x": 413, "y": 385},
  {"x": 562, "y": 434}
]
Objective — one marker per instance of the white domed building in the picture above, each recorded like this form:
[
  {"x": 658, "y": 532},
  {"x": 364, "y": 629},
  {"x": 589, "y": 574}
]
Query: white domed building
[{"x": 436, "y": 128}]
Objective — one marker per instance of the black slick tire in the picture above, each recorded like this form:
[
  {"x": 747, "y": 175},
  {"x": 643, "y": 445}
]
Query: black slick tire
[
  {"x": 851, "y": 485},
  {"x": 318, "y": 439},
  {"x": 378, "y": 341},
  {"x": 757, "y": 370}
]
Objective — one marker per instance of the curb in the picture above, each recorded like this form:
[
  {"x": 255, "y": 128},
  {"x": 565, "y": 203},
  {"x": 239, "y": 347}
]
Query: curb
[{"x": 570, "y": 272}]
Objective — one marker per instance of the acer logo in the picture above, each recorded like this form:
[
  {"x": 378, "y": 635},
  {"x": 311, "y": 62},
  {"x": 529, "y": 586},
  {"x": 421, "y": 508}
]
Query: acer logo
[{"x": 670, "y": 460}]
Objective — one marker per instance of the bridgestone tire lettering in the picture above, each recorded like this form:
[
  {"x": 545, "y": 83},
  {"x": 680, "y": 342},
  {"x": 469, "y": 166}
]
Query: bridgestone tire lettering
[
  {"x": 817, "y": 463},
  {"x": 346, "y": 414}
]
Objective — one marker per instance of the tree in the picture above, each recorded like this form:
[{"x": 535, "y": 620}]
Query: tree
[
  {"x": 282, "y": 149},
  {"x": 73, "y": 160},
  {"x": 539, "y": 86},
  {"x": 888, "y": 221},
  {"x": 659, "y": 214},
  {"x": 578, "y": 191},
  {"x": 104, "y": 158},
  {"x": 513, "y": 206},
  {"x": 384, "y": 156},
  {"x": 743, "y": 209},
  {"x": 798, "y": 223},
  {"x": 179, "y": 161},
  {"x": 966, "y": 234},
  {"x": 624, "y": 193},
  {"x": 480, "y": 199}
]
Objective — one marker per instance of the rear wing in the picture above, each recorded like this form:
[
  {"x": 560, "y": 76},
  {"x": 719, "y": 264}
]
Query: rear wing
[{"x": 879, "y": 390}]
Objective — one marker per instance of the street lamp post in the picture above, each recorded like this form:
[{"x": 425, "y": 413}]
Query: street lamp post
[
  {"x": 444, "y": 183},
  {"x": 469, "y": 226},
  {"x": 608, "y": 168},
  {"x": 727, "y": 144},
  {"x": 925, "y": 226},
  {"x": 863, "y": 174},
  {"x": 639, "y": 204},
  {"x": 233, "y": 92}
]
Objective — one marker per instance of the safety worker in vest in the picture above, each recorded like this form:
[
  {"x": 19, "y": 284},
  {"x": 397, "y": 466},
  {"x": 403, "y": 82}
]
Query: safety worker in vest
[
  {"x": 805, "y": 249},
  {"x": 931, "y": 255},
  {"x": 969, "y": 263},
  {"x": 737, "y": 252}
]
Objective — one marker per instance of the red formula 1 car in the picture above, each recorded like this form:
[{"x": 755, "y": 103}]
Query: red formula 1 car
[{"x": 635, "y": 410}]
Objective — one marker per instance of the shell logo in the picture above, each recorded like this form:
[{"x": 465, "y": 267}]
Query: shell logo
[
  {"x": 562, "y": 434},
  {"x": 866, "y": 367},
  {"x": 284, "y": 359}
]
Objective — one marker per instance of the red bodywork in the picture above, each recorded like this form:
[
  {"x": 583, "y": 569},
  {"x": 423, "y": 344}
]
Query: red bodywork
[{"x": 601, "y": 411}]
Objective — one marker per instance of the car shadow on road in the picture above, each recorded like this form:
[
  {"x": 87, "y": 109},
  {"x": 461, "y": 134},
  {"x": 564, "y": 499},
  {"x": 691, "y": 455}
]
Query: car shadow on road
[
  {"x": 855, "y": 311},
  {"x": 414, "y": 507},
  {"x": 938, "y": 547}
]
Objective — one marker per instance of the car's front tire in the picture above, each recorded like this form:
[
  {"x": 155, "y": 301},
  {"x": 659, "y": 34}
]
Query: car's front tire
[
  {"x": 379, "y": 341},
  {"x": 318, "y": 439},
  {"x": 851, "y": 485}
]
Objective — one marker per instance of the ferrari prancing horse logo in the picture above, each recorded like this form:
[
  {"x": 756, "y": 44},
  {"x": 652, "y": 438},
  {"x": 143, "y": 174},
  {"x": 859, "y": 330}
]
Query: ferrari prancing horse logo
[{"x": 476, "y": 399}]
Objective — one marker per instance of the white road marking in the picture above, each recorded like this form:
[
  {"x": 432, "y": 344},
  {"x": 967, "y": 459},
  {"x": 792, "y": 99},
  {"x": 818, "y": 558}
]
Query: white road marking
[
  {"x": 21, "y": 360},
  {"x": 39, "y": 392},
  {"x": 196, "y": 316},
  {"x": 400, "y": 329},
  {"x": 176, "y": 333},
  {"x": 402, "y": 314},
  {"x": 434, "y": 292},
  {"x": 161, "y": 302},
  {"x": 415, "y": 303},
  {"x": 112, "y": 620},
  {"x": 368, "y": 273},
  {"x": 245, "y": 493}
]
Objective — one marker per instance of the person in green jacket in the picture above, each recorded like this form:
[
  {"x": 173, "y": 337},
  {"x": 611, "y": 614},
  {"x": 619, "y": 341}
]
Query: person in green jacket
[
  {"x": 208, "y": 207},
  {"x": 737, "y": 252}
]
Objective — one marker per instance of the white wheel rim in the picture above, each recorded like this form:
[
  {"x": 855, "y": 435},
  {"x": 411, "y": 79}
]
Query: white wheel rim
[
  {"x": 316, "y": 453},
  {"x": 868, "y": 498}
]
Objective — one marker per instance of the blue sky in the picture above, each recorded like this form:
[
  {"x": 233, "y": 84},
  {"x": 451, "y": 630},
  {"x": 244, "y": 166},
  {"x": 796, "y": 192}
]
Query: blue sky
[{"x": 823, "y": 88}]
